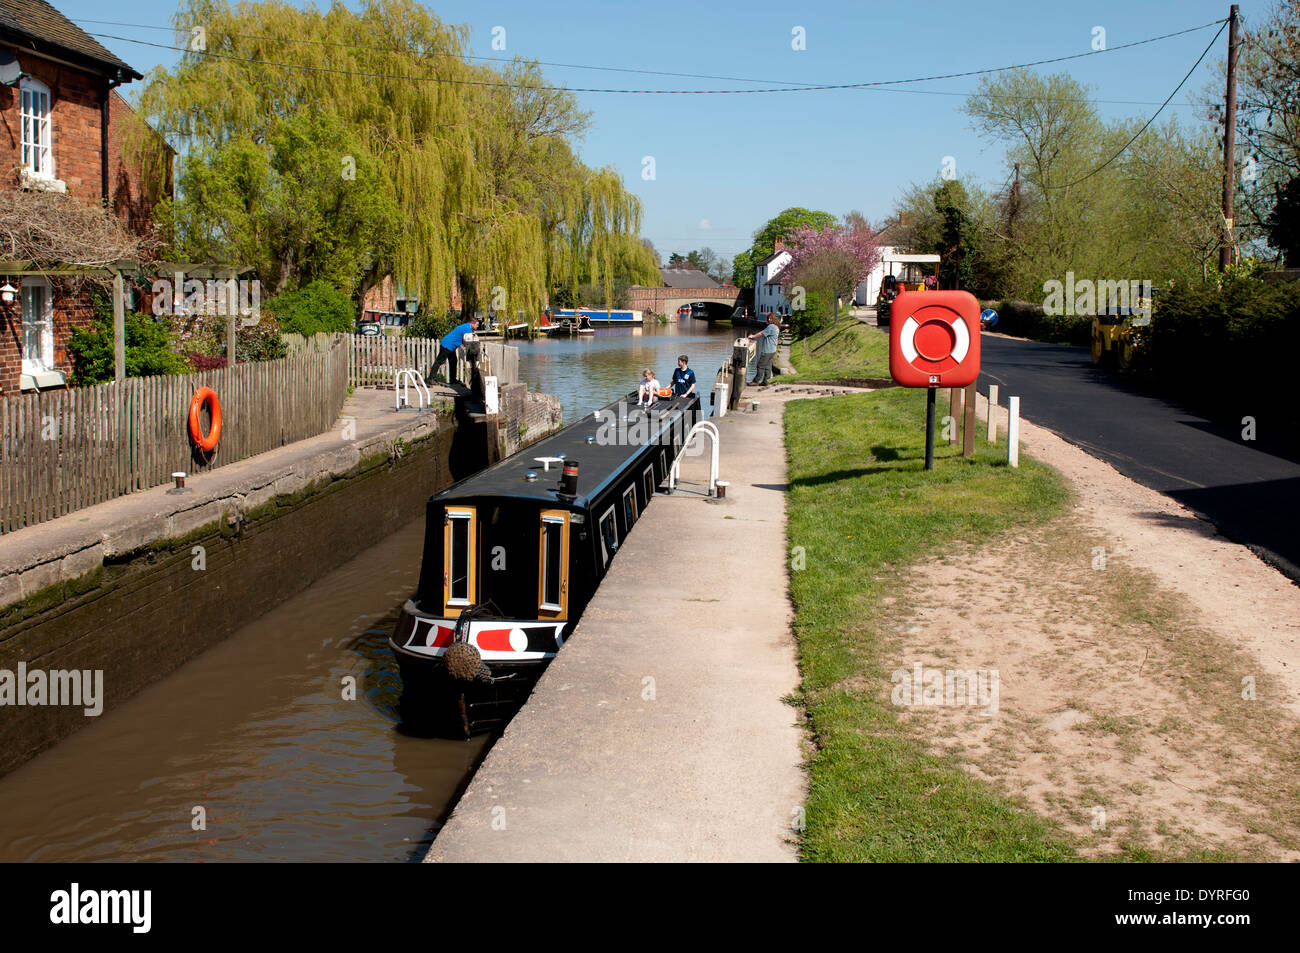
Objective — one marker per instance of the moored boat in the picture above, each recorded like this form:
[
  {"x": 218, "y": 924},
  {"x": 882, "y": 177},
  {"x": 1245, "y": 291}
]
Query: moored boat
[{"x": 513, "y": 554}]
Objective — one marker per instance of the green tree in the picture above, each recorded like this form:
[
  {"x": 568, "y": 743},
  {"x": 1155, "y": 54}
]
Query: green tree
[
  {"x": 1284, "y": 222},
  {"x": 150, "y": 347},
  {"x": 318, "y": 307},
  {"x": 783, "y": 227}
]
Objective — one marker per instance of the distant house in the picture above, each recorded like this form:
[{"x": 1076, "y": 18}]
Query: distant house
[
  {"x": 686, "y": 276},
  {"x": 64, "y": 131},
  {"x": 868, "y": 289},
  {"x": 769, "y": 293}
]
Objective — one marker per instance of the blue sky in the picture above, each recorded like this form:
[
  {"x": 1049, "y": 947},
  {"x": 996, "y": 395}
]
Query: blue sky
[{"x": 726, "y": 164}]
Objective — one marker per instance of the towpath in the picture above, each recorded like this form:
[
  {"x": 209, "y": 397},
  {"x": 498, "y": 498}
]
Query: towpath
[{"x": 660, "y": 733}]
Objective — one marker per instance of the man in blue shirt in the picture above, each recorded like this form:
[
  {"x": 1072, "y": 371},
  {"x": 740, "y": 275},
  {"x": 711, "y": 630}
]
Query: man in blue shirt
[
  {"x": 447, "y": 349},
  {"x": 683, "y": 378}
]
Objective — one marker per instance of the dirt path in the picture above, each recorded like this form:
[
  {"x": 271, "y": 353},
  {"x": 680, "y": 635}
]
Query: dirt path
[{"x": 1149, "y": 671}]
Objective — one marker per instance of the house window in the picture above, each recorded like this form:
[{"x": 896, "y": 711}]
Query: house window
[
  {"x": 38, "y": 326},
  {"x": 459, "y": 563},
  {"x": 34, "y": 119}
]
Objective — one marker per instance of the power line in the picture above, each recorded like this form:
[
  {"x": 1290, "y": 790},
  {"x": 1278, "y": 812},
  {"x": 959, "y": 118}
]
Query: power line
[
  {"x": 666, "y": 92},
  {"x": 1148, "y": 123}
]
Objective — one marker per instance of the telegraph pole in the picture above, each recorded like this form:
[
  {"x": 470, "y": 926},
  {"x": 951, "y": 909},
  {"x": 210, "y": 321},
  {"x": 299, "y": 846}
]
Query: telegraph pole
[{"x": 1229, "y": 142}]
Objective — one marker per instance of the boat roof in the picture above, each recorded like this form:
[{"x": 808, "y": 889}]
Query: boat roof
[{"x": 597, "y": 462}]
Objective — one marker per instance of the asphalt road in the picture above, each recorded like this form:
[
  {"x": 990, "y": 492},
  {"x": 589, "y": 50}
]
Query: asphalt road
[{"x": 1251, "y": 494}]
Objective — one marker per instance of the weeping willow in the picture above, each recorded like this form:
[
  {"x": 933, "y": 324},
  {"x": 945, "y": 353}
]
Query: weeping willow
[{"x": 491, "y": 195}]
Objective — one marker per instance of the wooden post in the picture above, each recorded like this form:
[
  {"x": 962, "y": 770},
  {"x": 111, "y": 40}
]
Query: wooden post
[
  {"x": 1229, "y": 142},
  {"x": 1013, "y": 431},
  {"x": 119, "y": 328},
  {"x": 954, "y": 408},
  {"x": 968, "y": 422},
  {"x": 993, "y": 413},
  {"x": 232, "y": 307}
]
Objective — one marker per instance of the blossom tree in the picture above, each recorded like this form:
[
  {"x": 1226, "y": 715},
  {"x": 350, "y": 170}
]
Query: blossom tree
[{"x": 829, "y": 261}]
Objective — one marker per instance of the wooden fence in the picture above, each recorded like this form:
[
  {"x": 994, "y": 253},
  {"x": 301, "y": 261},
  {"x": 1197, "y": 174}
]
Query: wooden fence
[
  {"x": 376, "y": 358},
  {"x": 67, "y": 449}
]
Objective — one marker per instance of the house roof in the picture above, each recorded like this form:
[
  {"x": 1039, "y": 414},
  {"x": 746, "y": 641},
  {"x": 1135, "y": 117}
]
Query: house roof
[
  {"x": 37, "y": 26},
  {"x": 687, "y": 276},
  {"x": 771, "y": 258}
]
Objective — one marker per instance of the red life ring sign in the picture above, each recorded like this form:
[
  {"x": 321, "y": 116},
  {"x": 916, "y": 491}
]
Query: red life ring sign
[{"x": 934, "y": 339}]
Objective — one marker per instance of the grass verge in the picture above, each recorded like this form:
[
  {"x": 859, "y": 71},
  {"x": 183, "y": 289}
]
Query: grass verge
[
  {"x": 861, "y": 510},
  {"x": 847, "y": 349}
]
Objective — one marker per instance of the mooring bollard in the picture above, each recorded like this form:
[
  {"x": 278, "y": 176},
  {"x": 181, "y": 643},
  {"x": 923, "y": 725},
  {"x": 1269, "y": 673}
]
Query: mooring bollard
[
  {"x": 1013, "y": 431},
  {"x": 753, "y": 406},
  {"x": 722, "y": 489},
  {"x": 993, "y": 413}
]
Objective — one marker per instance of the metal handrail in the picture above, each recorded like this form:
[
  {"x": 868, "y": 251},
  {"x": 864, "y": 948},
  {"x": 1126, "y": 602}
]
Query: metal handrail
[
  {"x": 707, "y": 427},
  {"x": 402, "y": 388}
]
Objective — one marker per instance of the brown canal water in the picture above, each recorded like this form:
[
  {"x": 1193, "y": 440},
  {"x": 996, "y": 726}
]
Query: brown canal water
[{"x": 256, "y": 731}]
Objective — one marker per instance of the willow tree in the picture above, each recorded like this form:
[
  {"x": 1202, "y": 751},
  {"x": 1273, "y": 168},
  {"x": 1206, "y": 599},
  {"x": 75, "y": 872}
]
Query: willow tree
[{"x": 476, "y": 162}]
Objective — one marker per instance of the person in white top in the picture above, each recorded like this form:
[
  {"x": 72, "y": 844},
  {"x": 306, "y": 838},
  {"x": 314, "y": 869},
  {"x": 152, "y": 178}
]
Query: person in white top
[{"x": 648, "y": 392}]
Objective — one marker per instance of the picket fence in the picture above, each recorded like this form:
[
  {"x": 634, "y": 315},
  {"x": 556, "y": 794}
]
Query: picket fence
[{"x": 66, "y": 449}]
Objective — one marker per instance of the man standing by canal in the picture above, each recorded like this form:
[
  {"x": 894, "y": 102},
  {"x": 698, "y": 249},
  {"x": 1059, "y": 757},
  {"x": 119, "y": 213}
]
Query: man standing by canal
[
  {"x": 447, "y": 349},
  {"x": 683, "y": 378},
  {"x": 766, "y": 350}
]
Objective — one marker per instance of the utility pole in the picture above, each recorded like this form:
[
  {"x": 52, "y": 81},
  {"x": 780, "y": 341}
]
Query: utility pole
[{"x": 1229, "y": 142}]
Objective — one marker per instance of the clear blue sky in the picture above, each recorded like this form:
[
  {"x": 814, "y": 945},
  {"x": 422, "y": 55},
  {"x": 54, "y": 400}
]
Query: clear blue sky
[{"x": 726, "y": 164}]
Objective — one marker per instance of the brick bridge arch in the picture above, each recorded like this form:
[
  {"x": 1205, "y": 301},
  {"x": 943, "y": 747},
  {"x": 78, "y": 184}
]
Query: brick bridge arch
[{"x": 666, "y": 301}]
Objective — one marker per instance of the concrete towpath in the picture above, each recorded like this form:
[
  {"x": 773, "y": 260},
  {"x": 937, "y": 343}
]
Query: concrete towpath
[{"x": 659, "y": 733}]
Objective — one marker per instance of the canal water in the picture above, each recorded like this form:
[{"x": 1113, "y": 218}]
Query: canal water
[
  {"x": 254, "y": 743},
  {"x": 588, "y": 371}
]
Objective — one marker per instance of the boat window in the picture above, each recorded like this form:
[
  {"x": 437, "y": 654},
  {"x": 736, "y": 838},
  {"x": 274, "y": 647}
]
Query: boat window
[
  {"x": 553, "y": 558},
  {"x": 608, "y": 535},
  {"x": 629, "y": 507},
  {"x": 648, "y": 478},
  {"x": 458, "y": 557}
]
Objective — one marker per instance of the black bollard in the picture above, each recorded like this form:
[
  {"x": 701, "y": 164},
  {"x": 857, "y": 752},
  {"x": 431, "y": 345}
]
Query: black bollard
[{"x": 929, "y": 428}]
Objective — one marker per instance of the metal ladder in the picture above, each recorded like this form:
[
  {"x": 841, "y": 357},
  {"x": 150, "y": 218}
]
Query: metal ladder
[
  {"x": 705, "y": 427},
  {"x": 402, "y": 381}
]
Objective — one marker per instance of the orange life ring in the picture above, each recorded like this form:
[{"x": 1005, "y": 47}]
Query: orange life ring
[
  {"x": 202, "y": 396},
  {"x": 664, "y": 392}
]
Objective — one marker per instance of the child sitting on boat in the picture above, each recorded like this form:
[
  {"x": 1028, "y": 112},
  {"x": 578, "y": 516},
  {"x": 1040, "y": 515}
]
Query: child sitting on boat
[{"x": 648, "y": 392}]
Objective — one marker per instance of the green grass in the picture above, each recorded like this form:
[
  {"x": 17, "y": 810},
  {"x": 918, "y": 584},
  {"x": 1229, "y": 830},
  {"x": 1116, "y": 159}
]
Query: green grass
[
  {"x": 863, "y": 509},
  {"x": 849, "y": 349}
]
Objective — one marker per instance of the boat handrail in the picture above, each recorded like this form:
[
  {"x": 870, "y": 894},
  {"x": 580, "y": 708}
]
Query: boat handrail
[
  {"x": 704, "y": 427},
  {"x": 402, "y": 388}
]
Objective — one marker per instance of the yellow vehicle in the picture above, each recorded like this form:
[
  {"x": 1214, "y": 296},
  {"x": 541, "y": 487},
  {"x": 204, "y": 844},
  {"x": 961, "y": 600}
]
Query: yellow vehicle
[{"x": 1119, "y": 332}]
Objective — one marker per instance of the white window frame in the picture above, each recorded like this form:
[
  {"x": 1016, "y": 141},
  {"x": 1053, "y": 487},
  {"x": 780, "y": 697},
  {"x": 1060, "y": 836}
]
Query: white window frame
[
  {"x": 550, "y": 518},
  {"x": 30, "y": 148},
  {"x": 45, "y": 360},
  {"x": 600, "y": 531},
  {"x": 648, "y": 483},
  {"x": 636, "y": 510},
  {"x": 470, "y": 517}
]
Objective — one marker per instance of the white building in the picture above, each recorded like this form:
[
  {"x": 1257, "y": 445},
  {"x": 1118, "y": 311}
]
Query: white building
[{"x": 769, "y": 294}]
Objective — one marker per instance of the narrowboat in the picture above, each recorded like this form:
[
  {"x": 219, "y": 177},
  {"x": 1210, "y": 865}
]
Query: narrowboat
[
  {"x": 513, "y": 554},
  {"x": 599, "y": 316}
]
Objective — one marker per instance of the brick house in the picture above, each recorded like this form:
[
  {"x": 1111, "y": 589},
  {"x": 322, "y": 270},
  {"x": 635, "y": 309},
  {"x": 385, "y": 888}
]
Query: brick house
[{"x": 63, "y": 129}]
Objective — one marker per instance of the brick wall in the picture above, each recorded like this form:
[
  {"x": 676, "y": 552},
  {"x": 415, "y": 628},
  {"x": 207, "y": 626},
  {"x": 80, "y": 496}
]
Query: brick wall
[
  {"x": 74, "y": 119},
  {"x": 138, "y": 177},
  {"x": 651, "y": 300}
]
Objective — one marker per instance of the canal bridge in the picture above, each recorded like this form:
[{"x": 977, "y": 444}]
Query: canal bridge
[{"x": 721, "y": 300}]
